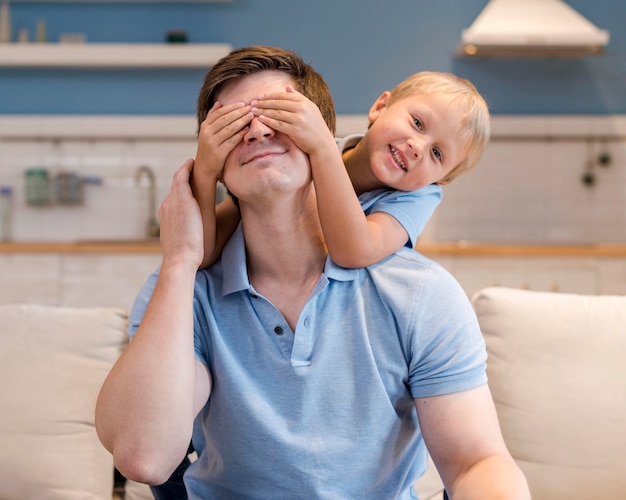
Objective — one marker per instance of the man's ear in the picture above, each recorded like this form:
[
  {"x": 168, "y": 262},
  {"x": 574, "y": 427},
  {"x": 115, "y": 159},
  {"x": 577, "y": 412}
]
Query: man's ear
[{"x": 378, "y": 106}]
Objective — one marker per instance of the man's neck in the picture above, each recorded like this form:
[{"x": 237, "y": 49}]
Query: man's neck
[{"x": 285, "y": 254}]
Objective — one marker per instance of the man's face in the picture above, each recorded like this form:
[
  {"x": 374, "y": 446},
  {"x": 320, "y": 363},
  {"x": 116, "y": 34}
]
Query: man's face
[{"x": 266, "y": 162}]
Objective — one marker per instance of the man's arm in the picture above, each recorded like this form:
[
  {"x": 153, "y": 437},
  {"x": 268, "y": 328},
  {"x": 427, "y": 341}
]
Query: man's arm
[
  {"x": 462, "y": 433},
  {"x": 146, "y": 407},
  {"x": 353, "y": 239},
  {"x": 223, "y": 128}
]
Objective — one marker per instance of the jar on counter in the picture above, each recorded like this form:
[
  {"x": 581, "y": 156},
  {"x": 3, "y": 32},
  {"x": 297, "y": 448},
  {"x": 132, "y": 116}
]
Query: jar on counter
[
  {"x": 37, "y": 186},
  {"x": 69, "y": 188},
  {"x": 6, "y": 213}
]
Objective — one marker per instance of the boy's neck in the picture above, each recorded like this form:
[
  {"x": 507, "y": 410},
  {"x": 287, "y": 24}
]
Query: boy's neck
[{"x": 357, "y": 164}]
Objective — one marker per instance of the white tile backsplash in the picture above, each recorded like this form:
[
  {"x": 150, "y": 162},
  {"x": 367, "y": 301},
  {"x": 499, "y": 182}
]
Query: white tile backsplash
[{"x": 527, "y": 187}]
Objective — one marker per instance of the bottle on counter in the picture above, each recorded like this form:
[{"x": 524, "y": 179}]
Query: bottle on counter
[
  {"x": 6, "y": 35},
  {"x": 6, "y": 213}
]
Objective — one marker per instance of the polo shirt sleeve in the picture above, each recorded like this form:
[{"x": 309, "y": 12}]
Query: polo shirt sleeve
[
  {"x": 141, "y": 303},
  {"x": 447, "y": 349}
]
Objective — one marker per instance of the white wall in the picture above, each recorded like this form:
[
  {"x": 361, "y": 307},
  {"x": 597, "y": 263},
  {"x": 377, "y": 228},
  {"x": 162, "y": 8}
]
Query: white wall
[{"x": 527, "y": 187}]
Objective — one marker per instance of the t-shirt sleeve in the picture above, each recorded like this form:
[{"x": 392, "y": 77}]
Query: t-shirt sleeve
[{"x": 412, "y": 209}]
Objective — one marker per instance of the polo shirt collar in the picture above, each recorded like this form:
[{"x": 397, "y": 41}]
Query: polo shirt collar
[{"x": 235, "y": 270}]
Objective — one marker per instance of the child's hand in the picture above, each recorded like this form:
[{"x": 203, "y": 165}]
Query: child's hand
[
  {"x": 223, "y": 128},
  {"x": 293, "y": 114}
]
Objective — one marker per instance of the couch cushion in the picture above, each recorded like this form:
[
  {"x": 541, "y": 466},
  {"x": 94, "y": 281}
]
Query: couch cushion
[
  {"x": 52, "y": 364},
  {"x": 556, "y": 369}
]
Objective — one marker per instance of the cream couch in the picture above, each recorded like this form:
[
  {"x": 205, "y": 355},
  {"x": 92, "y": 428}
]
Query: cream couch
[
  {"x": 556, "y": 369},
  {"x": 53, "y": 361},
  {"x": 557, "y": 372}
]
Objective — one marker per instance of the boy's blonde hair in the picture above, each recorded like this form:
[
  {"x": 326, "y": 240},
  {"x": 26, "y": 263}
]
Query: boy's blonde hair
[{"x": 475, "y": 126}]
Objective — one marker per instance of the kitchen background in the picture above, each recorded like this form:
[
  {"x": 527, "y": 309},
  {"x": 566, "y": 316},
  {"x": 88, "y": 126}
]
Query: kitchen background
[{"x": 554, "y": 173}]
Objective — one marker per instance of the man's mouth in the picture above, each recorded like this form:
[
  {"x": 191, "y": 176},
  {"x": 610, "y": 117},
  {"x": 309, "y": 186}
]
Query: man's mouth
[
  {"x": 396, "y": 158},
  {"x": 262, "y": 154}
]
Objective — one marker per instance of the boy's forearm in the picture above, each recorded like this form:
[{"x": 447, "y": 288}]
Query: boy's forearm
[
  {"x": 343, "y": 221},
  {"x": 204, "y": 187}
]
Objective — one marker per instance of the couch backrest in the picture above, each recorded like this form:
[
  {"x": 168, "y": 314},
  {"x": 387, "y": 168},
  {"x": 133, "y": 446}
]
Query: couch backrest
[
  {"x": 557, "y": 372},
  {"x": 53, "y": 361}
]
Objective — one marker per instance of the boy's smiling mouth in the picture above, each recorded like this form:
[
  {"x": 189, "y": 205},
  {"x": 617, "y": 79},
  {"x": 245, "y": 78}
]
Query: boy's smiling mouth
[{"x": 396, "y": 158}]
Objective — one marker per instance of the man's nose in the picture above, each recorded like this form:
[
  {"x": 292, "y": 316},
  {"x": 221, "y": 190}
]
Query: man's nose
[{"x": 258, "y": 132}]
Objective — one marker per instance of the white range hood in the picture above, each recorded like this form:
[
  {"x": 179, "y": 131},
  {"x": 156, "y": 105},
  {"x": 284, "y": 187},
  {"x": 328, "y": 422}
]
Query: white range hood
[{"x": 531, "y": 28}]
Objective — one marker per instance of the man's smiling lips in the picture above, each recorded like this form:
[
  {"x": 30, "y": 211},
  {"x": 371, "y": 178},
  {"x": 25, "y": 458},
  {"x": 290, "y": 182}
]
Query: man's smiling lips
[
  {"x": 398, "y": 158},
  {"x": 262, "y": 154}
]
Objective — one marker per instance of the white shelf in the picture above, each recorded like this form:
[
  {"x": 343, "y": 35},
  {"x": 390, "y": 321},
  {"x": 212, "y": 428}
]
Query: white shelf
[
  {"x": 113, "y": 55},
  {"x": 123, "y": 1}
]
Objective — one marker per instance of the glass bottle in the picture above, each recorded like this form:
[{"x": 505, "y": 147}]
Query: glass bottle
[{"x": 6, "y": 213}]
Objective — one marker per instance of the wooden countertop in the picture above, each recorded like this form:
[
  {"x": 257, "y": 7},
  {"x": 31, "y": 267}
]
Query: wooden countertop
[
  {"x": 476, "y": 249},
  {"x": 453, "y": 248},
  {"x": 83, "y": 247}
]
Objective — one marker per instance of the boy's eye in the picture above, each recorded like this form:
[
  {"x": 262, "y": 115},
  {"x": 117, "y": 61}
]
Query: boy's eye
[
  {"x": 418, "y": 123},
  {"x": 437, "y": 154}
]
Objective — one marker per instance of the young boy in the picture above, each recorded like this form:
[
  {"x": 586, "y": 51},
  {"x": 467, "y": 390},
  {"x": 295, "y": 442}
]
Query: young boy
[{"x": 425, "y": 132}]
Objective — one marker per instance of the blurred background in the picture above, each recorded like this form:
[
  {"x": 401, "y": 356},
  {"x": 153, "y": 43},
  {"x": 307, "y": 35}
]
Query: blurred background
[{"x": 89, "y": 139}]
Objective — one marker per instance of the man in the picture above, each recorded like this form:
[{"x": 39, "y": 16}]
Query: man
[{"x": 297, "y": 378}]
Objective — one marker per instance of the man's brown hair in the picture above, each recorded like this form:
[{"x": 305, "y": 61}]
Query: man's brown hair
[{"x": 249, "y": 60}]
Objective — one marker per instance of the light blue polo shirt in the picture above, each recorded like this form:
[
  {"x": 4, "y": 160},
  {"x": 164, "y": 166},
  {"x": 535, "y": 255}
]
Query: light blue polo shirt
[{"x": 327, "y": 411}]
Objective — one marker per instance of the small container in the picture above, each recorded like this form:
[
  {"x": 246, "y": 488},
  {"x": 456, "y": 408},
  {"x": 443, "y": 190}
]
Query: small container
[
  {"x": 37, "y": 187},
  {"x": 69, "y": 188},
  {"x": 6, "y": 213},
  {"x": 176, "y": 36}
]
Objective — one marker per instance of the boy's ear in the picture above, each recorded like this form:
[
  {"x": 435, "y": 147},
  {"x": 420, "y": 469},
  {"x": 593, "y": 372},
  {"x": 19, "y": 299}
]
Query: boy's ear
[{"x": 378, "y": 106}]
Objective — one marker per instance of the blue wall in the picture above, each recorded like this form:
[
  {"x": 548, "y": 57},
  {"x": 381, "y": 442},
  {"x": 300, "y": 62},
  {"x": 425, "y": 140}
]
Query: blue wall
[{"x": 361, "y": 47}]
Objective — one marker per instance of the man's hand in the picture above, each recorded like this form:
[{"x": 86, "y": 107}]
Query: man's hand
[
  {"x": 293, "y": 114},
  {"x": 223, "y": 128},
  {"x": 181, "y": 225}
]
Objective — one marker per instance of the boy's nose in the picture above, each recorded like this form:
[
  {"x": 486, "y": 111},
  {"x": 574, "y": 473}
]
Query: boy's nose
[
  {"x": 416, "y": 147},
  {"x": 258, "y": 132}
]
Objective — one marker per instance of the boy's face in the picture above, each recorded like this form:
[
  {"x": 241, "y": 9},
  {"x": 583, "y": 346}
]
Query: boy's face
[{"x": 414, "y": 141}]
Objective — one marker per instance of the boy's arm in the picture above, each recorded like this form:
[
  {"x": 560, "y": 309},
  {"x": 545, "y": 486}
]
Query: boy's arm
[
  {"x": 353, "y": 240},
  {"x": 223, "y": 128}
]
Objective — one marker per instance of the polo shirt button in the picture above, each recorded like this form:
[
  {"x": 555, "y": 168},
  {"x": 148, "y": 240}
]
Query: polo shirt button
[{"x": 278, "y": 330}]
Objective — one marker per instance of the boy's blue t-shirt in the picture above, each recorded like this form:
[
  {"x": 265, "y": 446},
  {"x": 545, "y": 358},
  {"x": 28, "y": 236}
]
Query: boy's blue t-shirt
[{"x": 412, "y": 209}]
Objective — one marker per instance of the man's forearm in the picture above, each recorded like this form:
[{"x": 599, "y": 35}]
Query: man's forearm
[
  {"x": 494, "y": 478},
  {"x": 145, "y": 413}
]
